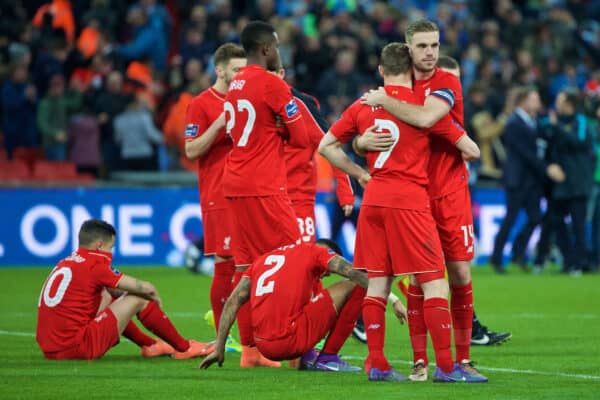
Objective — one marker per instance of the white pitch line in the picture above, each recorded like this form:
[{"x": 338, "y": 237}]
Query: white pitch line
[
  {"x": 508, "y": 370},
  {"x": 11, "y": 333}
]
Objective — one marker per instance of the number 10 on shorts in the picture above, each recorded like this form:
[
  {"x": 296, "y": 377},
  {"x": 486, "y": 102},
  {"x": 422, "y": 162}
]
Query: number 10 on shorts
[{"x": 468, "y": 235}]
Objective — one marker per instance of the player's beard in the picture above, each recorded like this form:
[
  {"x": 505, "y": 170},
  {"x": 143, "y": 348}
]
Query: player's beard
[{"x": 424, "y": 68}]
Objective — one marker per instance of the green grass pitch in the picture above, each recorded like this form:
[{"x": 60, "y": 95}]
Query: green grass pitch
[{"x": 554, "y": 353}]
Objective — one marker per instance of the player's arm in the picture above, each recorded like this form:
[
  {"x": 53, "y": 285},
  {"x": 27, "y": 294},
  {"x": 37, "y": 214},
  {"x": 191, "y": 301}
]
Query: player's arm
[
  {"x": 331, "y": 148},
  {"x": 424, "y": 116},
  {"x": 198, "y": 146},
  {"x": 139, "y": 288},
  {"x": 341, "y": 266},
  {"x": 372, "y": 141},
  {"x": 239, "y": 296},
  {"x": 343, "y": 191},
  {"x": 398, "y": 307}
]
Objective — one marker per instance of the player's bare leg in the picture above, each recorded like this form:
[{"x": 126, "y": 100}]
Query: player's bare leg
[{"x": 251, "y": 357}]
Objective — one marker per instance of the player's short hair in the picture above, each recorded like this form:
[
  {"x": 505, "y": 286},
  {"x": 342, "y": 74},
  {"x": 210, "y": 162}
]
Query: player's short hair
[
  {"x": 571, "y": 97},
  {"x": 256, "y": 34},
  {"x": 95, "y": 229},
  {"x": 522, "y": 92},
  {"x": 419, "y": 26},
  {"x": 447, "y": 62},
  {"x": 227, "y": 51},
  {"x": 395, "y": 59},
  {"x": 329, "y": 243}
]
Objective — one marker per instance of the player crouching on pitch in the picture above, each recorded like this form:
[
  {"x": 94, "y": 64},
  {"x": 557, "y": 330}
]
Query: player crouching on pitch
[{"x": 287, "y": 318}]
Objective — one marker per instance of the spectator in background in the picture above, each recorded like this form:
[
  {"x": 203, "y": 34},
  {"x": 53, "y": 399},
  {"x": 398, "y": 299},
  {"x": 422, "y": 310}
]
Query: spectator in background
[
  {"x": 593, "y": 120},
  {"x": 110, "y": 101},
  {"x": 524, "y": 173},
  {"x": 84, "y": 140},
  {"x": 137, "y": 137},
  {"x": 61, "y": 15},
  {"x": 18, "y": 99},
  {"x": 571, "y": 146},
  {"x": 50, "y": 61},
  {"x": 148, "y": 42},
  {"x": 53, "y": 115},
  {"x": 339, "y": 85}
]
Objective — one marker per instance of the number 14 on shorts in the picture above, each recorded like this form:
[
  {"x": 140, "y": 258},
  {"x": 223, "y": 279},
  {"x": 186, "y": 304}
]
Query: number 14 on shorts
[{"x": 468, "y": 235}]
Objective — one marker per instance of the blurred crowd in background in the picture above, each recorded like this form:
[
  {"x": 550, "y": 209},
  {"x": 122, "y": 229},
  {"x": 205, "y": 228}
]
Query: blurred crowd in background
[{"x": 105, "y": 83}]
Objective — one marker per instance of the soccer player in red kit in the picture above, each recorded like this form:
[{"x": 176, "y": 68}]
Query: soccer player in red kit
[
  {"x": 288, "y": 318},
  {"x": 448, "y": 190},
  {"x": 301, "y": 167},
  {"x": 69, "y": 325},
  {"x": 254, "y": 179},
  {"x": 396, "y": 232},
  {"x": 206, "y": 141}
]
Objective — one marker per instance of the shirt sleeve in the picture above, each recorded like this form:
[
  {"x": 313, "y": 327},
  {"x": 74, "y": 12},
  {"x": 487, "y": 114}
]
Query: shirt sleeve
[
  {"x": 196, "y": 121},
  {"x": 449, "y": 90},
  {"x": 321, "y": 256},
  {"x": 106, "y": 274},
  {"x": 345, "y": 128},
  {"x": 448, "y": 129},
  {"x": 280, "y": 100}
]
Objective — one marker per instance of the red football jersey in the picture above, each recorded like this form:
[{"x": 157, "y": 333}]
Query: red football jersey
[
  {"x": 301, "y": 165},
  {"x": 447, "y": 170},
  {"x": 71, "y": 296},
  {"x": 282, "y": 284},
  {"x": 202, "y": 111},
  {"x": 399, "y": 175},
  {"x": 256, "y": 165}
]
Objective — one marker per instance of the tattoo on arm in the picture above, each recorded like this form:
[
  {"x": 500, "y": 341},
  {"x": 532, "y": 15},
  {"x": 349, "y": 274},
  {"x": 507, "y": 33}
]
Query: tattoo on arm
[
  {"x": 238, "y": 297},
  {"x": 343, "y": 267}
]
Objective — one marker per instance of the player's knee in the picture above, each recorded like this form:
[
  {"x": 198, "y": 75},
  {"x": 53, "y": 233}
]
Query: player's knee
[
  {"x": 435, "y": 288},
  {"x": 459, "y": 273}
]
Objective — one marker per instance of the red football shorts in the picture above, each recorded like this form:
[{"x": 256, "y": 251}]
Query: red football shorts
[
  {"x": 261, "y": 224},
  {"x": 454, "y": 218},
  {"x": 217, "y": 232},
  {"x": 99, "y": 335},
  {"x": 393, "y": 241},
  {"x": 311, "y": 325},
  {"x": 305, "y": 215}
]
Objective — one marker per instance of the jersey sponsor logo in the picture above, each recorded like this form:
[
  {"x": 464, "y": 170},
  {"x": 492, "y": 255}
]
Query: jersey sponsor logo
[
  {"x": 191, "y": 130},
  {"x": 291, "y": 108},
  {"x": 238, "y": 84}
]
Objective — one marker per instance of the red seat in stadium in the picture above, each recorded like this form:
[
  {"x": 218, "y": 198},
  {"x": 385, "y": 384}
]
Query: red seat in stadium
[
  {"x": 30, "y": 156},
  {"x": 14, "y": 171},
  {"x": 54, "y": 171}
]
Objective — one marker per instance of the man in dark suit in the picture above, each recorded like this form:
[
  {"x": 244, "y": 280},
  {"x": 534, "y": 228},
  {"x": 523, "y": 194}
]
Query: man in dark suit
[{"x": 524, "y": 175}]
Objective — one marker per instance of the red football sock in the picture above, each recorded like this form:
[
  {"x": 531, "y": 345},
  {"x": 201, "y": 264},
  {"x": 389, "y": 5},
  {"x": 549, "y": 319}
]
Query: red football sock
[
  {"x": 157, "y": 322},
  {"x": 244, "y": 317},
  {"x": 374, "y": 318},
  {"x": 416, "y": 323},
  {"x": 220, "y": 288},
  {"x": 345, "y": 322},
  {"x": 461, "y": 298},
  {"x": 438, "y": 320},
  {"x": 133, "y": 333}
]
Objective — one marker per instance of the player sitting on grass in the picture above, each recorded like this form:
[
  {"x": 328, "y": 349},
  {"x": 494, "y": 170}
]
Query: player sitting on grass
[
  {"x": 69, "y": 325},
  {"x": 287, "y": 319}
]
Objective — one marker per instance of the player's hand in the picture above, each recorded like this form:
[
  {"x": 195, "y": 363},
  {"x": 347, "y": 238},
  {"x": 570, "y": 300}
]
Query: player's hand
[
  {"x": 364, "y": 179},
  {"x": 374, "y": 97},
  {"x": 348, "y": 209},
  {"x": 210, "y": 359},
  {"x": 400, "y": 312},
  {"x": 467, "y": 157},
  {"x": 370, "y": 140}
]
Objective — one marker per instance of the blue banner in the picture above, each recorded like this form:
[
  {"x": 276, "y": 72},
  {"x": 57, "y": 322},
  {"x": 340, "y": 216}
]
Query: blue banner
[{"x": 155, "y": 225}]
